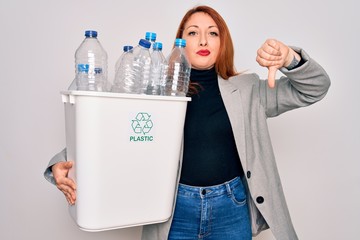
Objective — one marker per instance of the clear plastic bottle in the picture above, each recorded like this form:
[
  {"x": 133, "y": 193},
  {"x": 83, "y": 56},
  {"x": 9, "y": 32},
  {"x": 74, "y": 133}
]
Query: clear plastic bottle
[
  {"x": 177, "y": 71},
  {"x": 126, "y": 49},
  {"x": 124, "y": 81},
  {"x": 158, "y": 62},
  {"x": 91, "y": 64},
  {"x": 141, "y": 65},
  {"x": 151, "y": 37}
]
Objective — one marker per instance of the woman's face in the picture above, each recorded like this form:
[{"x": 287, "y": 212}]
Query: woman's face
[{"x": 202, "y": 41}]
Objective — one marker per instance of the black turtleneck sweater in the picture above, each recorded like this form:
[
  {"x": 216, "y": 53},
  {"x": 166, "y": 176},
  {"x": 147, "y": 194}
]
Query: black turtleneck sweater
[{"x": 210, "y": 154}]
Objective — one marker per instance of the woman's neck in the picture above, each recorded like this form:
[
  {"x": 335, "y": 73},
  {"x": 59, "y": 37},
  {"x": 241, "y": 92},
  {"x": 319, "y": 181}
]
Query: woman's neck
[{"x": 203, "y": 76}]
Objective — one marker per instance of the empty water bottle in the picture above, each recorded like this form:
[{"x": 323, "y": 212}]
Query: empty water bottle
[
  {"x": 124, "y": 80},
  {"x": 126, "y": 49},
  {"x": 177, "y": 71},
  {"x": 141, "y": 65},
  {"x": 156, "y": 71},
  {"x": 91, "y": 64}
]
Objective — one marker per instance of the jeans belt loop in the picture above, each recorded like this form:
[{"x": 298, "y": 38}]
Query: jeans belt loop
[{"x": 228, "y": 188}]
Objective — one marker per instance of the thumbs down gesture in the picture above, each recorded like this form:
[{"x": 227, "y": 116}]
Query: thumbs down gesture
[{"x": 274, "y": 55}]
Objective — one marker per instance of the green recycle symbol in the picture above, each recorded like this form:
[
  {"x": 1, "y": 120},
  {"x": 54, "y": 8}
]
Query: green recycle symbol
[{"x": 142, "y": 123}]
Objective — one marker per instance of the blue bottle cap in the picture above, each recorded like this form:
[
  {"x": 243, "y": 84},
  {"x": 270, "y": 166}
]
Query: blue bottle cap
[
  {"x": 90, "y": 33},
  {"x": 157, "y": 45},
  {"x": 150, "y": 36},
  {"x": 179, "y": 42},
  {"x": 127, "y": 48},
  {"x": 144, "y": 43}
]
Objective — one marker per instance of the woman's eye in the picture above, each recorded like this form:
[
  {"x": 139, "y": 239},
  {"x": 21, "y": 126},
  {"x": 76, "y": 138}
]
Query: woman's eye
[
  {"x": 215, "y": 34},
  {"x": 192, "y": 33}
]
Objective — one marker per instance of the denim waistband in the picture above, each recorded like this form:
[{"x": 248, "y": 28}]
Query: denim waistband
[{"x": 209, "y": 191}]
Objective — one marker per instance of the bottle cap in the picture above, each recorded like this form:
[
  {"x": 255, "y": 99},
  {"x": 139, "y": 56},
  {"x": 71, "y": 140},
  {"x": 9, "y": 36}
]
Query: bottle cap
[
  {"x": 157, "y": 45},
  {"x": 150, "y": 36},
  {"x": 144, "y": 43},
  {"x": 179, "y": 42},
  {"x": 90, "y": 33},
  {"x": 127, "y": 48}
]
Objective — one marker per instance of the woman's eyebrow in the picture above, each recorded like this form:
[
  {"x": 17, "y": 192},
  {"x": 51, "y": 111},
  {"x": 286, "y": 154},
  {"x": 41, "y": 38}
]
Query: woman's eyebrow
[{"x": 196, "y": 26}]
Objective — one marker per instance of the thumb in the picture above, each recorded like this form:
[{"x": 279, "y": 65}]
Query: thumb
[
  {"x": 272, "y": 76},
  {"x": 67, "y": 165}
]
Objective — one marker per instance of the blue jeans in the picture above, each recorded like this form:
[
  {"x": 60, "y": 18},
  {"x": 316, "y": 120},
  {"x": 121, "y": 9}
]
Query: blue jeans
[{"x": 217, "y": 212}]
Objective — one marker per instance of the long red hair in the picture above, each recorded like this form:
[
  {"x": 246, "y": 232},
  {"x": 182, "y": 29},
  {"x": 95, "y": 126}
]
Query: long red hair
[{"x": 224, "y": 64}]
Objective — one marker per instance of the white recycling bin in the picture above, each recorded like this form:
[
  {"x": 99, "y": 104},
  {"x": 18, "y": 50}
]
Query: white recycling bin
[{"x": 126, "y": 150}]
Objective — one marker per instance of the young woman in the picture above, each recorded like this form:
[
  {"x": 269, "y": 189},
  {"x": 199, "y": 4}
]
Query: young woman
[{"x": 229, "y": 187}]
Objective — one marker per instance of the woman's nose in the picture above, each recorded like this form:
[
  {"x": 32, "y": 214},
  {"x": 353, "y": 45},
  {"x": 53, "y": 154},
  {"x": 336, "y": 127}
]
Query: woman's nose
[{"x": 203, "y": 41}]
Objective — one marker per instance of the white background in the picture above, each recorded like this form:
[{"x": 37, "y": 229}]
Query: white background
[{"x": 315, "y": 146}]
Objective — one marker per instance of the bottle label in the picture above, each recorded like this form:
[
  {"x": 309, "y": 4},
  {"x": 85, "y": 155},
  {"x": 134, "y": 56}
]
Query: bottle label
[
  {"x": 84, "y": 68},
  {"x": 98, "y": 70}
]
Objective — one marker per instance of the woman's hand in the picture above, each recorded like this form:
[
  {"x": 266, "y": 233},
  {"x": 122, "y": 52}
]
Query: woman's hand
[
  {"x": 273, "y": 54},
  {"x": 60, "y": 172}
]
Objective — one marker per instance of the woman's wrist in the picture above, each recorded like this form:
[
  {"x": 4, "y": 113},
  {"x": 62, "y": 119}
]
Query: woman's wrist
[
  {"x": 293, "y": 64},
  {"x": 295, "y": 60}
]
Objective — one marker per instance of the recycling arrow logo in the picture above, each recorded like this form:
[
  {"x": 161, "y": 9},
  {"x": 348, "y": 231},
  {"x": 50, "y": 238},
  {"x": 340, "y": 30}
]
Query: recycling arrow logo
[{"x": 142, "y": 123}]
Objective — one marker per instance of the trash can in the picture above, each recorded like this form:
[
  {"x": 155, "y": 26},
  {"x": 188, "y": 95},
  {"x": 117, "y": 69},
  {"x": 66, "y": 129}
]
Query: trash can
[{"x": 126, "y": 150}]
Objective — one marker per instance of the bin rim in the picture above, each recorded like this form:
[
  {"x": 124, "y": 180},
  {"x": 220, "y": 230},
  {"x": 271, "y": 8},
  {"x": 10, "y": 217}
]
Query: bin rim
[{"x": 123, "y": 95}]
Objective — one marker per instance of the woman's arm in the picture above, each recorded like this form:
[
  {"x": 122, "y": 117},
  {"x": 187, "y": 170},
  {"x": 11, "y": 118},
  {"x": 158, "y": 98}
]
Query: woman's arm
[{"x": 302, "y": 85}]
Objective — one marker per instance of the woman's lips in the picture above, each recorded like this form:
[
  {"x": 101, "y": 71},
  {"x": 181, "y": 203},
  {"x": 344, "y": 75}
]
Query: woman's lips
[{"x": 203, "y": 52}]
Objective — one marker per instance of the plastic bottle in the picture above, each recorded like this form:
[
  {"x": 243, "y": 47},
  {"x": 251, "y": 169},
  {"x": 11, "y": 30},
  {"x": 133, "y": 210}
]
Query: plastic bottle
[
  {"x": 126, "y": 49},
  {"x": 91, "y": 64},
  {"x": 177, "y": 71},
  {"x": 141, "y": 65},
  {"x": 124, "y": 81},
  {"x": 158, "y": 62},
  {"x": 151, "y": 37}
]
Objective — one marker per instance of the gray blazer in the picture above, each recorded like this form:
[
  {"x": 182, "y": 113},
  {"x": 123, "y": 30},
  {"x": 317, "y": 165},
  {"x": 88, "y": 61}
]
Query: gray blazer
[{"x": 249, "y": 102}]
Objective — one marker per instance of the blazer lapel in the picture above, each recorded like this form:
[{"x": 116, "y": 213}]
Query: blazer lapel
[{"x": 233, "y": 104}]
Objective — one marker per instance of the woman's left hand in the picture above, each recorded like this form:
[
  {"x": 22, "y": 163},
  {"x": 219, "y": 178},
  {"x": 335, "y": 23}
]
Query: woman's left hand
[{"x": 273, "y": 54}]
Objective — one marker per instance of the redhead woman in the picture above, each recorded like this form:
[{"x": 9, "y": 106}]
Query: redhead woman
[{"x": 228, "y": 184}]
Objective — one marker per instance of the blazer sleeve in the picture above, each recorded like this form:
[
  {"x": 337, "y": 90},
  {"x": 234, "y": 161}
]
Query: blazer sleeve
[
  {"x": 59, "y": 157},
  {"x": 301, "y": 86}
]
